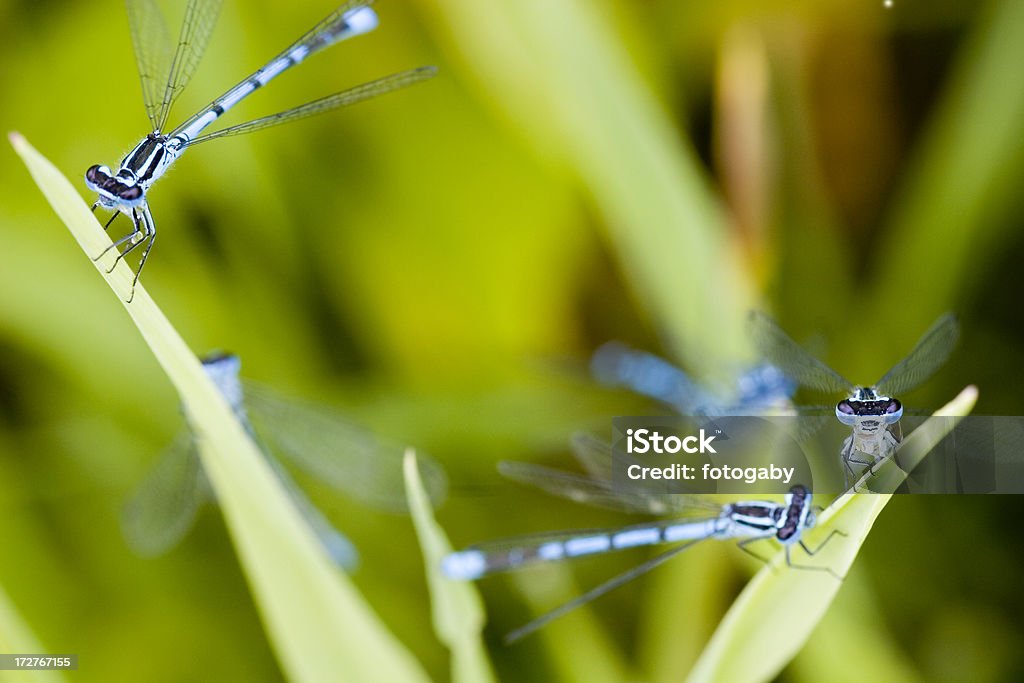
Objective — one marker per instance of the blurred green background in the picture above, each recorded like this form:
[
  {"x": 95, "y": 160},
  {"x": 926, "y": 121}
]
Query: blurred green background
[{"x": 441, "y": 262}]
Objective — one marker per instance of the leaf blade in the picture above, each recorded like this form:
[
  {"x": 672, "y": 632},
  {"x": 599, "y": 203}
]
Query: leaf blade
[
  {"x": 778, "y": 609},
  {"x": 318, "y": 624},
  {"x": 458, "y": 612}
]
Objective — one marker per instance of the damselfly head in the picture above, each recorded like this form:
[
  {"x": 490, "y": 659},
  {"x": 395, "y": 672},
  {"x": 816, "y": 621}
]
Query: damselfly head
[
  {"x": 794, "y": 518},
  {"x": 113, "y": 190},
  {"x": 798, "y": 493},
  {"x": 798, "y": 497},
  {"x": 868, "y": 404},
  {"x": 223, "y": 369}
]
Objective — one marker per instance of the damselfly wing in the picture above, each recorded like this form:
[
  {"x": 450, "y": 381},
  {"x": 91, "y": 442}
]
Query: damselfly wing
[
  {"x": 873, "y": 412},
  {"x": 349, "y": 459}
]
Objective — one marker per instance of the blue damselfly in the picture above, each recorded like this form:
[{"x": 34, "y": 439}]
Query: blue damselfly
[
  {"x": 165, "y": 73},
  {"x": 872, "y": 412},
  {"x": 762, "y": 389},
  {"x": 698, "y": 517},
  {"x": 318, "y": 441}
]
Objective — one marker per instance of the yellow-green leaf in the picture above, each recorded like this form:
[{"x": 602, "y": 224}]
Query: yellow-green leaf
[
  {"x": 319, "y": 625},
  {"x": 777, "y": 611},
  {"x": 458, "y": 610},
  {"x": 562, "y": 74},
  {"x": 17, "y": 638}
]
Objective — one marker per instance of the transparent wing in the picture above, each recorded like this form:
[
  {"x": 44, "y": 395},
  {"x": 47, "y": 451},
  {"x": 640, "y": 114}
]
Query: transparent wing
[
  {"x": 931, "y": 351},
  {"x": 779, "y": 349},
  {"x": 594, "y": 454},
  {"x": 342, "y": 99},
  {"x": 163, "y": 507},
  {"x": 615, "y": 364},
  {"x": 344, "y": 456},
  {"x": 596, "y": 592},
  {"x": 600, "y": 460},
  {"x": 196, "y": 28},
  {"x": 578, "y": 488},
  {"x": 809, "y": 421},
  {"x": 581, "y": 489},
  {"x": 152, "y": 43},
  {"x": 337, "y": 545}
]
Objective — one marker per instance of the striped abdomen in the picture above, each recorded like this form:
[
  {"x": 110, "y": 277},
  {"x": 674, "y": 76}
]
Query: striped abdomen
[{"x": 476, "y": 562}]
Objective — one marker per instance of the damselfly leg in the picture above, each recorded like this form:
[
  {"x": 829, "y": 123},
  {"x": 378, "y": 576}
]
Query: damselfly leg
[{"x": 144, "y": 232}]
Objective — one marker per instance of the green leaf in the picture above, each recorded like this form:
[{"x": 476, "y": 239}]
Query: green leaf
[
  {"x": 17, "y": 638},
  {"x": 458, "y": 611},
  {"x": 963, "y": 180},
  {"x": 585, "y": 101},
  {"x": 594, "y": 655},
  {"x": 779, "y": 609},
  {"x": 319, "y": 625}
]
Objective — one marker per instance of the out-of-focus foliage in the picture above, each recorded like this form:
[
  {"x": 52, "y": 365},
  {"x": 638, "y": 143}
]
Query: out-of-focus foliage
[
  {"x": 458, "y": 611},
  {"x": 440, "y": 262}
]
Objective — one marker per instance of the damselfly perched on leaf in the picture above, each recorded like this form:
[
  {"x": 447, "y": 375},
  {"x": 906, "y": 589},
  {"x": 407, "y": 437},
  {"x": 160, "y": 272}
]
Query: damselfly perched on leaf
[
  {"x": 343, "y": 456},
  {"x": 873, "y": 412},
  {"x": 166, "y": 72},
  {"x": 699, "y": 517},
  {"x": 763, "y": 389}
]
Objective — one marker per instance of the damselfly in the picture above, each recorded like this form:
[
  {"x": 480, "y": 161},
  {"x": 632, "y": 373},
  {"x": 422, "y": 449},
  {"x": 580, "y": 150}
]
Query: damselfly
[
  {"x": 164, "y": 76},
  {"x": 872, "y": 411},
  {"x": 703, "y": 518},
  {"x": 763, "y": 389},
  {"x": 347, "y": 458}
]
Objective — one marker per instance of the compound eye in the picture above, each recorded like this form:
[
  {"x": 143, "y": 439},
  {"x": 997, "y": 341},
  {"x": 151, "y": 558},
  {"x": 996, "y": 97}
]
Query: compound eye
[
  {"x": 95, "y": 174},
  {"x": 845, "y": 413},
  {"x": 893, "y": 411},
  {"x": 130, "y": 193}
]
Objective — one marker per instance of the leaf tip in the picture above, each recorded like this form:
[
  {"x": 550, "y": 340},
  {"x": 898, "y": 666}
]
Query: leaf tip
[
  {"x": 409, "y": 462},
  {"x": 16, "y": 138},
  {"x": 963, "y": 403}
]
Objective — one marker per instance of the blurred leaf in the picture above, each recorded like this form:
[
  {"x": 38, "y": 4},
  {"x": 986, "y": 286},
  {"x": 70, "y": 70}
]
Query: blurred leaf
[
  {"x": 319, "y": 625},
  {"x": 965, "y": 175},
  {"x": 854, "y": 624},
  {"x": 559, "y": 69},
  {"x": 780, "y": 607},
  {"x": 17, "y": 638},
  {"x": 458, "y": 611},
  {"x": 671, "y": 640},
  {"x": 593, "y": 656}
]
